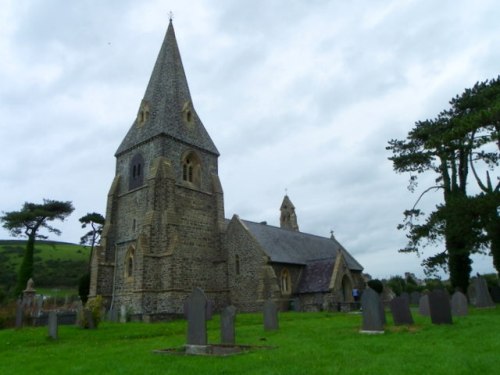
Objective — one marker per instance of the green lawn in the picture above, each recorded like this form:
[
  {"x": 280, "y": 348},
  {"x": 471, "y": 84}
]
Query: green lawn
[{"x": 307, "y": 343}]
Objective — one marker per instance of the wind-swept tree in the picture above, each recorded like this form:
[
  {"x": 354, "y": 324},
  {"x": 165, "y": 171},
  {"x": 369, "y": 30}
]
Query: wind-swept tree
[
  {"x": 450, "y": 146},
  {"x": 27, "y": 222},
  {"x": 91, "y": 238}
]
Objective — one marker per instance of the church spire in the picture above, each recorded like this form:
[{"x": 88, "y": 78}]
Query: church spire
[
  {"x": 288, "y": 218},
  {"x": 167, "y": 107}
]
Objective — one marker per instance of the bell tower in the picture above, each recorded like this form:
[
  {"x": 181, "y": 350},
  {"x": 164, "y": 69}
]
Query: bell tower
[
  {"x": 165, "y": 210},
  {"x": 288, "y": 218}
]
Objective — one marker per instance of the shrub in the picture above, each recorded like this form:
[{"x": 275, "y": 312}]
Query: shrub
[
  {"x": 95, "y": 306},
  {"x": 376, "y": 285},
  {"x": 84, "y": 287}
]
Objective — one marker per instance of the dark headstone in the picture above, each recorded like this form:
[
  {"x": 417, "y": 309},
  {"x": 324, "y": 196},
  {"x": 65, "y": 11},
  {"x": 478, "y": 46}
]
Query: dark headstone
[
  {"x": 89, "y": 318},
  {"x": 483, "y": 298},
  {"x": 423, "y": 305},
  {"x": 52, "y": 325},
  {"x": 406, "y": 296},
  {"x": 439, "y": 306},
  {"x": 459, "y": 304},
  {"x": 19, "y": 313},
  {"x": 415, "y": 298},
  {"x": 495, "y": 293},
  {"x": 196, "y": 318},
  {"x": 373, "y": 316},
  {"x": 270, "y": 316},
  {"x": 400, "y": 309},
  {"x": 227, "y": 331}
]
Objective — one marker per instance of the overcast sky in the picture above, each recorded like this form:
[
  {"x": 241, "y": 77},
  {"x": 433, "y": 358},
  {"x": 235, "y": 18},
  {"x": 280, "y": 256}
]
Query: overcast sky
[{"x": 298, "y": 96}]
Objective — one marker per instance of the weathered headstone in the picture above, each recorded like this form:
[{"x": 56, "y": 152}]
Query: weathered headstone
[
  {"x": 439, "y": 306},
  {"x": 270, "y": 316},
  {"x": 400, "y": 309},
  {"x": 123, "y": 314},
  {"x": 113, "y": 315},
  {"x": 89, "y": 318},
  {"x": 372, "y": 311},
  {"x": 459, "y": 304},
  {"x": 495, "y": 293},
  {"x": 53, "y": 325},
  {"x": 415, "y": 298},
  {"x": 227, "y": 331},
  {"x": 196, "y": 319},
  {"x": 406, "y": 296},
  {"x": 423, "y": 305},
  {"x": 19, "y": 313},
  {"x": 483, "y": 298}
]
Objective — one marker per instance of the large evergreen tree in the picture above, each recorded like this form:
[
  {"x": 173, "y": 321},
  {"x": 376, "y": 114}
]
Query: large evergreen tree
[
  {"x": 27, "y": 222},
  {"x": 450, "y": 146}
]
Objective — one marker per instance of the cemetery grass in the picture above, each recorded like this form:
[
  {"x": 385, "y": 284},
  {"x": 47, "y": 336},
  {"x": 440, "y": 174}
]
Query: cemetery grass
[{"x": 306, "y": 343}]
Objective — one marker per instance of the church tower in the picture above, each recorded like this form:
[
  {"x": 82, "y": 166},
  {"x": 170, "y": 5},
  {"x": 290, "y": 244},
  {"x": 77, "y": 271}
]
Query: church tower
[
  {"x": 165, "y": 210},
  {"x": 288, "y": 218}
]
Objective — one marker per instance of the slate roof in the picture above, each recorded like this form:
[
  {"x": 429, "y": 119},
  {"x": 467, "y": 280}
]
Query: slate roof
[
  {"x": 167, "y": 94},
  {"x": 316, "y": 276},
  {"x": 292, "y": 247}
]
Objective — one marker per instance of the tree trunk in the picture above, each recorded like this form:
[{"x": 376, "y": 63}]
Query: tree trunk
[{"x": 26, "y": 268}]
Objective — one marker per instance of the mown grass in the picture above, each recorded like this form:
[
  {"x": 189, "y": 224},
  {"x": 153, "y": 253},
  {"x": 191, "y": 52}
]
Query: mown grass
[{"x": 306, "y": 343}]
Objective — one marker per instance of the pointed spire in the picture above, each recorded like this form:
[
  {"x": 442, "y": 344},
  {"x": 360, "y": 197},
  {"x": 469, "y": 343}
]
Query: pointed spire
[
  {"x": 288, "y": 218},
  {"x": 167, "y": 106}
]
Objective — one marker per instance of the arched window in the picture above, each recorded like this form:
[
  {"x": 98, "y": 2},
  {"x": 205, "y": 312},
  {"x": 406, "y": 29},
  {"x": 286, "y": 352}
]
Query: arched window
[
  {"x": 136, "y": 177},
  {"x": 286, "y": 282},
  {"x": 191, "y": 169}
]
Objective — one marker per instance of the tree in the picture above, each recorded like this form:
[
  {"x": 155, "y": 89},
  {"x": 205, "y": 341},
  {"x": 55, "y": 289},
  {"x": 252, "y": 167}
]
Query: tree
[
  {"x": 92, "y": 237},
  {"x": 27, "y": 222},
  {"x": 450, "y": 146}
]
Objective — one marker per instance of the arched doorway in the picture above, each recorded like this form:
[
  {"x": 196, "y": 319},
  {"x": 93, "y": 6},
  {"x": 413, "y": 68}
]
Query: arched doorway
[{"x": 347, "y": 289}]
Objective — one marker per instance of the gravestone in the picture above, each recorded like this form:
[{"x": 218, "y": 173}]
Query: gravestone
[
  {"x": 196, "y": 318},
  {"x": 113, "y": 315},
  {"x": 423, "y": 305},
  {"x": 406, "y": 296},
  {"x": 53, "y": 325},
  {"x": 400, "y": 309},
  {"x": 227, "y": 331},
  {"x": 415, "y": 298},
  {"x": 270, "y": 316},
  {"x": 209, "y": 310},
  {"x": 495, "y": 293},
  {"x": 483, "y": 298},
  {"x": 19, "y": 313},
  {"x": 89, "y": 318},
  {"x": 372, "y": 311},
  {"x": 123, "y": 314},
  {"x": 459, "y": 304},
  {"x": 439, "y": 306}
]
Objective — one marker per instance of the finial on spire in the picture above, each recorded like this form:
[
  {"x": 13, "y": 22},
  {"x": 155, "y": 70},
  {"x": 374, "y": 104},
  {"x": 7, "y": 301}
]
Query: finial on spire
[
  {"x": 286, "y": 191},
  {"x": 331, "y": 235},
  {"x": 170, "y": 16}
]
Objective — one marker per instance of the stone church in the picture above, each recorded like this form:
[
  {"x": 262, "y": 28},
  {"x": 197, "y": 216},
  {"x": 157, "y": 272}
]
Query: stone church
[{"x": 166, "y": 233}]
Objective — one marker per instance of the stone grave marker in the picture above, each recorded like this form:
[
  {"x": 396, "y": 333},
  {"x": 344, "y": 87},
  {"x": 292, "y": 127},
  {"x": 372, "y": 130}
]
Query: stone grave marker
[
  {"x": 439, "y": 306},
  {"x": 372, "y": 311},
  {"x": 406, "y": 296},
  {"x": 19, "y": 313},
  {"x": 415, "y": 298},
  {"x": 123, "y": 314},
  {"x": 113, "y": 315},
  {"x": 483, "y": 298},
  {"x": 459, "y": 304},
  {"x": 227, "y": 331},
  {"x": 53, "y": 325},
  {"x": 196, "y": 318},
  {"x": 495, "y": 293},
  {"x": 89, "y": 318},
  {"x": 423, "y": 305},
  {"x": 270, "y": 316},
  {"x": 400, "y": 309}
]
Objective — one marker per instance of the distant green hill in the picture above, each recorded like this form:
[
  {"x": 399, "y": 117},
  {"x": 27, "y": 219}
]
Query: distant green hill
[{"x": 56, "y": 264}]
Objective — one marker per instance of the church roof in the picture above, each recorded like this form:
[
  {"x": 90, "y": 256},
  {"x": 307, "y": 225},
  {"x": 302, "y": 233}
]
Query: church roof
[
  {"x": 168, "y": 99},
  {"x": 316, "y": 276},
  {"x": 285, "y": 246}
]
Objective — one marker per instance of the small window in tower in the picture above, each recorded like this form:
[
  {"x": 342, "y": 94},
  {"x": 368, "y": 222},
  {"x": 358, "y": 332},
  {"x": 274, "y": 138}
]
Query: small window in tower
[
  {"x": 133, "y": 224},
  {"x": 191, "y": 169},
  {"x": 129, "y": 263},
  {"x": 188, "y": 116},
  {"x": 136, "y": 177},
  {"x": 286, "y": 282}
]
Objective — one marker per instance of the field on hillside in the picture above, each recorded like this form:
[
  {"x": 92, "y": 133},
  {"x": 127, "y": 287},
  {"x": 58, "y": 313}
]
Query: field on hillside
[
  {"x": 306, "y": 343},
  {"x": 56, "y": 264}
]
